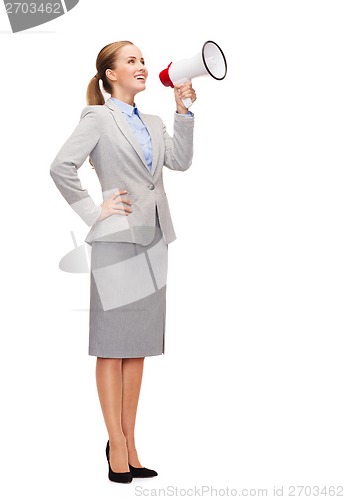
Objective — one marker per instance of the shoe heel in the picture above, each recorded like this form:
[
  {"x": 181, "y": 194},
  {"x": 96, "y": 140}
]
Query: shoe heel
[{"x": 117, "y": 477}]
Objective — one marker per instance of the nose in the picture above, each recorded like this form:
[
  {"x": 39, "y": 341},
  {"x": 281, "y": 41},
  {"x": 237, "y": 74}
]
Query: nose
[{"x": 142, "y": 67}]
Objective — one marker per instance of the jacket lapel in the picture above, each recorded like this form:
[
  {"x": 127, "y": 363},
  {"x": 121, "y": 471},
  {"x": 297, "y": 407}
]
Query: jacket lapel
[{"x": 126, "y": 131}]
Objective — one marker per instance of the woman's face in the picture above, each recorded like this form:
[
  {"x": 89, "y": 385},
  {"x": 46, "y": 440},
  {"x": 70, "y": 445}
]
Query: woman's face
[{"x": 130, "y": 73}]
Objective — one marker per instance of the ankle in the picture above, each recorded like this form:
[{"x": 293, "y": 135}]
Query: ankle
[
  {"x": 117, "y": 440},
  {"x": 130, "y": 442}
]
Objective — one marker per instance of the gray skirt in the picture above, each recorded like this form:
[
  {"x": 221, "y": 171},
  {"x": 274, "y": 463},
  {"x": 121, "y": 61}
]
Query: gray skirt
[{"x": 128, "y": 298}]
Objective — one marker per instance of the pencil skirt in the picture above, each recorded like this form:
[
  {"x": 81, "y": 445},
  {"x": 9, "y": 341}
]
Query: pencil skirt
[{"x": 128, "y": 298}]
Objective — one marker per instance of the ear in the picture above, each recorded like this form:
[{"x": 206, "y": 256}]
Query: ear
[{"x": 111, "y": 75}]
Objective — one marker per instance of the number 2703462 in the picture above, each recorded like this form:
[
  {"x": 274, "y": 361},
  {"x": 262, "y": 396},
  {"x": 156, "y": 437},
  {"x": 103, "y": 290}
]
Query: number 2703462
[{"x": 33, "y": 8}]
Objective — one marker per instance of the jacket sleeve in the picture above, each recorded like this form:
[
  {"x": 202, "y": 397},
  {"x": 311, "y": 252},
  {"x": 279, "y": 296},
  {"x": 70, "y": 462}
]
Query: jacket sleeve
[
  {"x": 71, "y": 156},
  {"x": 179, "y": 148}
]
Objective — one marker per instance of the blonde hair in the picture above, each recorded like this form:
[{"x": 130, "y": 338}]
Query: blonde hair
[{"x": 106, "y": 59}]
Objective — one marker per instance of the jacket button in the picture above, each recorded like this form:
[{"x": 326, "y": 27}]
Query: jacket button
[{"x": 151, "y": 186}]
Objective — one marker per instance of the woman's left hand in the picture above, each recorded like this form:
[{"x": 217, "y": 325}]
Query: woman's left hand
[{"x": 182, "y": 91}]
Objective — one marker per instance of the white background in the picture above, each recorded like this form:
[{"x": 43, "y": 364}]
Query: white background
[{"x": 255, "y": 398}]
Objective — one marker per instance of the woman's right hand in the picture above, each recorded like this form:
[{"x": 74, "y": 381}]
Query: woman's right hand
[{"x": 115, "y": 205}]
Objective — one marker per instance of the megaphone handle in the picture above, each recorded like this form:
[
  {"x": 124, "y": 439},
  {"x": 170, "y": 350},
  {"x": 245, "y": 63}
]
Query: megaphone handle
[{"x": 188, "y": 101}]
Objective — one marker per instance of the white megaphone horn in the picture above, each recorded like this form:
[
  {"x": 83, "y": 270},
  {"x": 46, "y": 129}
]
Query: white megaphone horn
[{"x": 210, "y": 61}]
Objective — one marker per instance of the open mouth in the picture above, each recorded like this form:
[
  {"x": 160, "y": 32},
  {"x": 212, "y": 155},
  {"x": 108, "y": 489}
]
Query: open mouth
[{"x": 140, "y": 78}]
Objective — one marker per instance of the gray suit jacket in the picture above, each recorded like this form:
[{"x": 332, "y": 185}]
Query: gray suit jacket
[{"x": 105, "y": 136}]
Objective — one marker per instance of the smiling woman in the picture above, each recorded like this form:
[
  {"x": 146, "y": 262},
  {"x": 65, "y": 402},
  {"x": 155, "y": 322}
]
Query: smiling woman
[
  {"x": 129, "y": 76},
  {"x": 130, "y": 234},
  {"x": 107, "y": 58}
]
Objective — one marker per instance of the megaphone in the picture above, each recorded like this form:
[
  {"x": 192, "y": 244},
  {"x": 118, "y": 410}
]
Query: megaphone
[{"x": 210, "y": 61}]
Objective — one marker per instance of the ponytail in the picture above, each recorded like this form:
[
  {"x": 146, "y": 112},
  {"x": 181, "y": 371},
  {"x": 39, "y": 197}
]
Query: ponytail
[{"x": 93, "y": 94}]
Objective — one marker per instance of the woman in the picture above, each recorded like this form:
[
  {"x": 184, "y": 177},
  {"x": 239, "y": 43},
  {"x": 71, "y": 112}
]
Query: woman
[{"x": 130, "y": 234}]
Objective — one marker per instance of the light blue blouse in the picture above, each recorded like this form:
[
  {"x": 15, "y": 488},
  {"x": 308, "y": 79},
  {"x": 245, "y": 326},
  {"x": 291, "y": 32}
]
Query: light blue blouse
[{"x": 132, "y": 116}]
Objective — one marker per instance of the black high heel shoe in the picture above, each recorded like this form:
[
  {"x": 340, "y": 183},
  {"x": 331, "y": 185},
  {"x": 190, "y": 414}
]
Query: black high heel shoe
[
  {"x": 117, "y": 477},
  {"x": 142, "y": 471}
]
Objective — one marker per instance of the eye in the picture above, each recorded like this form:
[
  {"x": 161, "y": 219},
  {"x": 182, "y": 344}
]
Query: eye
[
  {"x": 131, "y": 61},
  {"x": 143, "y": 62}
]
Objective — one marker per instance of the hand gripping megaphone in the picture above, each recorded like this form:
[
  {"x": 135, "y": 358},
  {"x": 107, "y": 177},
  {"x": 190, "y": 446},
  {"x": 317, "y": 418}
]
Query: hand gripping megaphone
[{"x": 210, "y": 61}]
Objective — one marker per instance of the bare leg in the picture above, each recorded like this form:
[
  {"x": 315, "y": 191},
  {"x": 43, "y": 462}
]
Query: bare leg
[
  {"x": 109, "y": 386},
  {"x": 132, "y": 372}
]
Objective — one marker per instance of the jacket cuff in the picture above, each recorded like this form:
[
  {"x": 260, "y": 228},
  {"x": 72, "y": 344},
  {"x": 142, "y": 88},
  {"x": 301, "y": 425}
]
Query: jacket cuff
[{"x": 87, "y": 210}]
